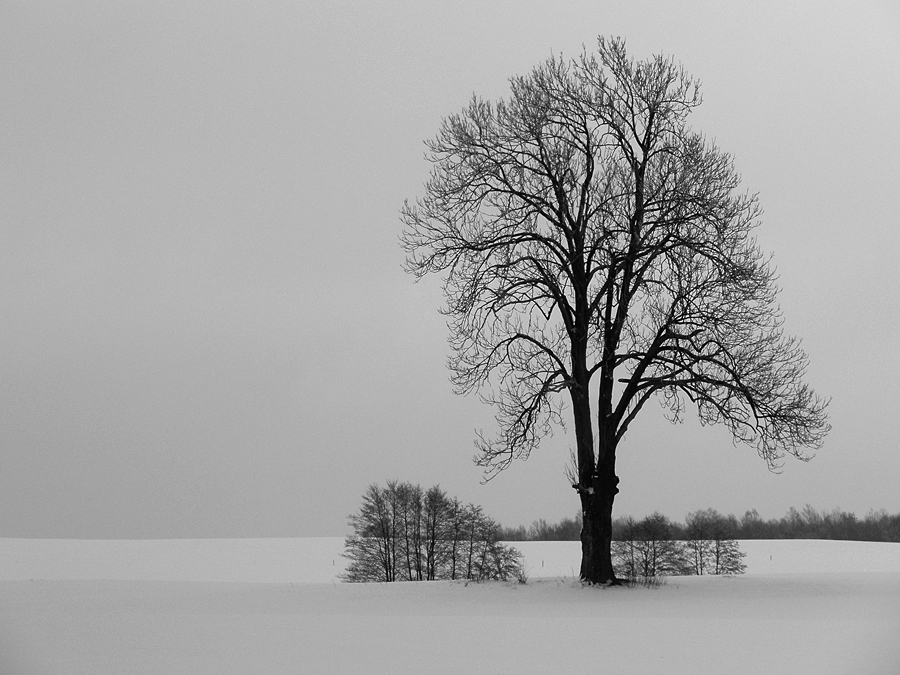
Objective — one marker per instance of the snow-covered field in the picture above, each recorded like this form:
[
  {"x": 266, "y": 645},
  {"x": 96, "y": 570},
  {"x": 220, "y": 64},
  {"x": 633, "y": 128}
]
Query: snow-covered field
[{"x": 274, "y": 606}]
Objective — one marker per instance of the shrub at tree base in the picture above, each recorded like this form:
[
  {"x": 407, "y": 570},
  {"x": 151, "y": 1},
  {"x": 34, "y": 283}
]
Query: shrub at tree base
[
  {"x": 710, "y": 544},
  {"x": 402, "y": 533},
  {"x": 647, "y": 550}
]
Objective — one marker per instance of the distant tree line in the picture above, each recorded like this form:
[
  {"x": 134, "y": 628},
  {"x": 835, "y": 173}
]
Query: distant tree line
[
  {"x": 568, "y": 529},
  {"x": 811, "y": 524},
  {"x": 404, "y": 533},
  {"x": 804, "y": 524}
]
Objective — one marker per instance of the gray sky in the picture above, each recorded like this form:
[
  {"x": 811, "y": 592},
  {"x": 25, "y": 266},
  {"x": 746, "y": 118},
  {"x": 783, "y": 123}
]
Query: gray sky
[{"x": 205, "y": 328}]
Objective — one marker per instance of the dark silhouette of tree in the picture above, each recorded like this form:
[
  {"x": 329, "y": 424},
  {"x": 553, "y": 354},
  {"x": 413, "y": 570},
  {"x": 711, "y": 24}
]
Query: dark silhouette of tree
[
  {"x": 597, "y": 253},
  {"x": 646, "y": 549},
  {"x": 373, "y": 545},
  {"x": 697, "y": 533},
  {"x": 625, "y": 551},
  {"x": 568, "y": 529},
  {"x": 710, "y": 544},
  {"x": 402, "y": 533},
  {"x": 520, "y": 533},
  {"x": 752, "y": 526}
]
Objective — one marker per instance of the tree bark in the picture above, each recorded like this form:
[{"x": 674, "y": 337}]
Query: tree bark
[
  {"x": 596, "y": 532},
  {"x": 602, "y": 484}
]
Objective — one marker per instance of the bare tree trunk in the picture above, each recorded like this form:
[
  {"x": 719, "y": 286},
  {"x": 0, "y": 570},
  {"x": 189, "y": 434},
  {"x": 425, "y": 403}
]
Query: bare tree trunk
[
  {"x": 596, "y": 532},
  {"x": 597, "y": 480}
]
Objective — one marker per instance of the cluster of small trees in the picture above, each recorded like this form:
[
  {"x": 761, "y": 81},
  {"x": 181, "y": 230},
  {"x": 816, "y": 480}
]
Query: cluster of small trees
[
  {"x": 649, "y": 548},
  {"x": 405, "y": 533}
]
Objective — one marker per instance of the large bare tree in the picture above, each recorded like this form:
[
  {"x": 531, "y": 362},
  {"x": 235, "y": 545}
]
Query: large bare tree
[{"x": 596, "y": 253}]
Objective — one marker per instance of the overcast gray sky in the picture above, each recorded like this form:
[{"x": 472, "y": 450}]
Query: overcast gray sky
[{"x": 205, "y": 327}]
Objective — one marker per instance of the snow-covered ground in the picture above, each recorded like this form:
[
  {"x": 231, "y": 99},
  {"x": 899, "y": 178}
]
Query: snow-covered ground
[{"x": 274, "y": 606}]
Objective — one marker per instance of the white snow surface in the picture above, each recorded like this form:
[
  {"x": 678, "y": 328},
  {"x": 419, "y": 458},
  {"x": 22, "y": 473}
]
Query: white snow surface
[{"x": 275, "y": 606}]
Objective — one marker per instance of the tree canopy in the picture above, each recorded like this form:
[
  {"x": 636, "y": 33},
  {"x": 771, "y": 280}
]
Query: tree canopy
[{"x": 593, "y": 245}]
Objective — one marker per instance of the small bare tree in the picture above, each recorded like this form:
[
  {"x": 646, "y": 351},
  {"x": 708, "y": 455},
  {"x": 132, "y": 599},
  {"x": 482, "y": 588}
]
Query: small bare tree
[
  {"x": 646, "y": 549},
  {"x": 594, "y": 246},
  {"x": 372, "y": 548},
  {"x": 710, "y": 544}
]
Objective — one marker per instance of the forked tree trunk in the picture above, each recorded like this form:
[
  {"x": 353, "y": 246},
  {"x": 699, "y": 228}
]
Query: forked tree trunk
[{"x": 597, "y": 487}]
